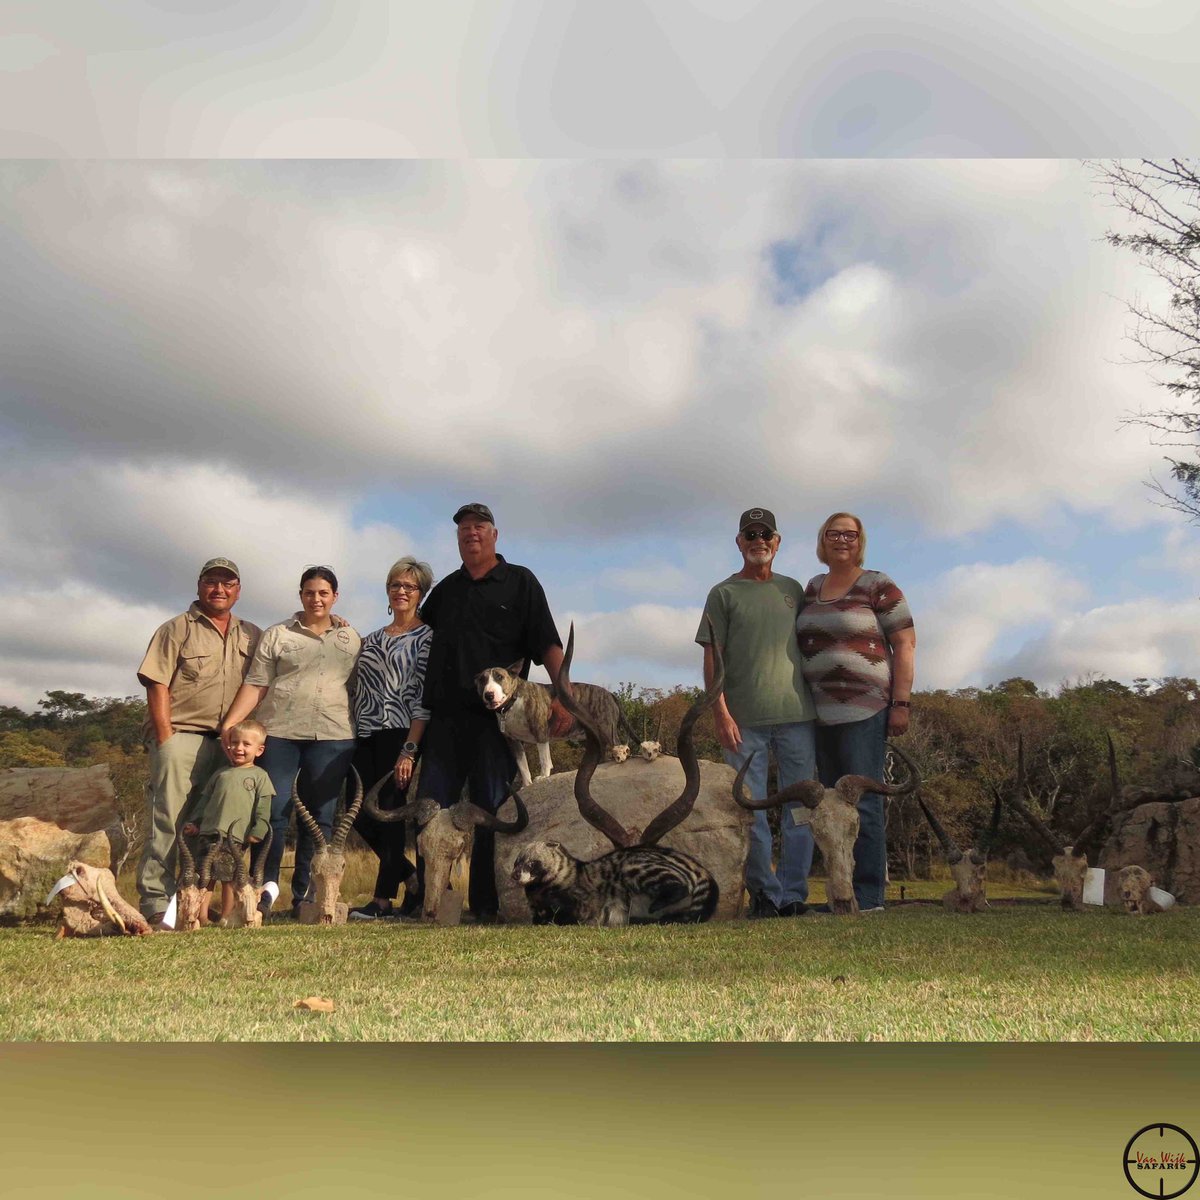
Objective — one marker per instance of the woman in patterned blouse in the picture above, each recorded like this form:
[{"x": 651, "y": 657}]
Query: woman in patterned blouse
[
  {"x": 389, "y": 722},
  {"x": 857, "y": 646}
]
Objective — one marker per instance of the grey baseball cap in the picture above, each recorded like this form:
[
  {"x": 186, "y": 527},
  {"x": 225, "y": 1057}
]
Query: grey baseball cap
[
  {"x": 221, "y": 564},
  {"x": 757, "y": 516},
  {"x": 475, "y": 510}
]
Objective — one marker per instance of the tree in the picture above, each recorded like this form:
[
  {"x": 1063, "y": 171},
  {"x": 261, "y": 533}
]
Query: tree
[{"x": 1163, "y": 200}]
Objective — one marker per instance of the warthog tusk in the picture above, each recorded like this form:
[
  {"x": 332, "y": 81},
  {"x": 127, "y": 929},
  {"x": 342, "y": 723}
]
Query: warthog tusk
[
  {"x": 64, "y": 882},
  {"x": 109, "y": 911}
]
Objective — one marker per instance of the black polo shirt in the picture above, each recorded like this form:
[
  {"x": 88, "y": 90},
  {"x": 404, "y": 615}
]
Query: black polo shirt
[{"x": 478, "y": 623}]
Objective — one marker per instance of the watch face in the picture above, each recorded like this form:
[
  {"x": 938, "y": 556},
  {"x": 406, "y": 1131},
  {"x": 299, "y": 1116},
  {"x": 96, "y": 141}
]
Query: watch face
[{"x": 1160, "y": 1161}]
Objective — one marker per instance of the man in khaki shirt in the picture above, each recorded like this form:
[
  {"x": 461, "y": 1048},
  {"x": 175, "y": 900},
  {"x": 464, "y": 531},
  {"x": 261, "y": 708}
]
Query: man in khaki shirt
[{"x": 192, "y": 670}]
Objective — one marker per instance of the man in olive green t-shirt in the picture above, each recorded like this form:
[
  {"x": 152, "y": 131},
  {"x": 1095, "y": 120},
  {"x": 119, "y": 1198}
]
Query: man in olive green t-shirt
[{"x": 765, "y": 707}]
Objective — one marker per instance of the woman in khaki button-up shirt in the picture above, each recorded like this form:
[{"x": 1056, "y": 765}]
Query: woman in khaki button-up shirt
[{"x": 301, "y": 681}]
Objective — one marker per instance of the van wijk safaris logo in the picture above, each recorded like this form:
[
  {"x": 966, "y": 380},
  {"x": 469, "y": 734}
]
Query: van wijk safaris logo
[{"x": 1161, "y": 1161}]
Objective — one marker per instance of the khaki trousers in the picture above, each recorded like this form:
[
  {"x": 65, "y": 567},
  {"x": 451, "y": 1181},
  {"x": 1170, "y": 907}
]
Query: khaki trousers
[{"x": 180, "y": 766}]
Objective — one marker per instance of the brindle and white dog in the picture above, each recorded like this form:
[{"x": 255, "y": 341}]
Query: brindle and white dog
[{"x": 523, "y": 710}]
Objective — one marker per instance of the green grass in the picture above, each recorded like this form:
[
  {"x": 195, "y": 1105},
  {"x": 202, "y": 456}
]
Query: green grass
[{"x": 909, "y": 974}]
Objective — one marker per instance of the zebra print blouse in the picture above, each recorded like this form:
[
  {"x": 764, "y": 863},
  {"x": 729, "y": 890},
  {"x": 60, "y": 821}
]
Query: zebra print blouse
[{"x": 391, "y": 677}]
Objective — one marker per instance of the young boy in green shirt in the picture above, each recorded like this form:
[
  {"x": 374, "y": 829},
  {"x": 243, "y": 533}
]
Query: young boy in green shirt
[{"x": 237, "y": 797}]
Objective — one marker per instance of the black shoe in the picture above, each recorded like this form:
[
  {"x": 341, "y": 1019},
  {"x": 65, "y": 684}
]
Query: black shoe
[
  {"x": 488, "y": 918},
  {"x": 264, "y": 907},
  {"x": 371, "y": 911},
  {"x": 296, "y": 910},
  {"x": 761, "y": 908},
  {"x": 794, "y": 908},
  {"x": 410, "y": 907}
]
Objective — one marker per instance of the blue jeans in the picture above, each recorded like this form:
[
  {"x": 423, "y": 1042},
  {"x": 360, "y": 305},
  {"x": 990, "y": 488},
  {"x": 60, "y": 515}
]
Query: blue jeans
[
  {"x": 323, "y": 767},
  {"x": 795, "y": 753},
  {"x": 857, "y": 748}
]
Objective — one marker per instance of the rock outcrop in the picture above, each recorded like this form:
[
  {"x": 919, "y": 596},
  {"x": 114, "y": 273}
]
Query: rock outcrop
[
  {"x": 1164, "y": 838},
  {"x": 50, "y": 816}
]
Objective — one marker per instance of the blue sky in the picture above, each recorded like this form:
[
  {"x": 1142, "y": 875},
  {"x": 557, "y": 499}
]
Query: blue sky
[{"x": 293, "y": 363}]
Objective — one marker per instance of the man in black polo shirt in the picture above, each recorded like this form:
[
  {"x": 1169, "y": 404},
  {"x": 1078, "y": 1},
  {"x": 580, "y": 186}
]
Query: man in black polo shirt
[{"x": 488, "y": 613}]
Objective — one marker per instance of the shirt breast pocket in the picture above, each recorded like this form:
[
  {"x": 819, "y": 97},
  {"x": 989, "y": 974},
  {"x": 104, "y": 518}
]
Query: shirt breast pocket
[
  {"x": 193, "y": 667},
  {"x": 503, "y": 626}
]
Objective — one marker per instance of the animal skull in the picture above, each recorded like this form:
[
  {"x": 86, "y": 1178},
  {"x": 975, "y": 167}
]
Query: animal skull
[
  {"x": 1134, "y": 884},
  {"x": 92, "y": 906},
  {"x": 650, "y": 750},
  {"x": 328, "y": 863}
]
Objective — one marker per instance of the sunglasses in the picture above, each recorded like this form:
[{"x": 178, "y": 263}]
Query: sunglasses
[{"x": 752, "y": 535}]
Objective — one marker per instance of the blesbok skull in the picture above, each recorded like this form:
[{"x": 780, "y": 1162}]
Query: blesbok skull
[
  {"x": 190, "y": 897},
  {"x": 248, "y": 887},
  {"x": 328, "y": 862},
  {"x": 832, "y": 813}
]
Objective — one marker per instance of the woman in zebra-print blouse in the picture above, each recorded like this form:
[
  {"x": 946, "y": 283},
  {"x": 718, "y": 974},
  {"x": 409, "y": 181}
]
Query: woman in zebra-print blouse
[{"x": 387, "y": 702}]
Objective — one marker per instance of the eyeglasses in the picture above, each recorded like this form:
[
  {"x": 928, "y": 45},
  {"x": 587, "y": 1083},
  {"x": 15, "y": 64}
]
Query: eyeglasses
[
  {"x": 216, "y": 583},
  {"x": 752, "y": 535},
  {"x": 403, "y": 587},
  {"x": 841, "y": 535}
]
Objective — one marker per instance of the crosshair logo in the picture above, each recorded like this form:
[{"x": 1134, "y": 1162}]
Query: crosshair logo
[{"x": 1161, "y": 1161}]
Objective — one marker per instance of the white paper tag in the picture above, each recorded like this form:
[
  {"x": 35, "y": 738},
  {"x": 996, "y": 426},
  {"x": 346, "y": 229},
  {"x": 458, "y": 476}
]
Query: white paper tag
[
  {"x": 64, "y": 882},
  {"x": 1093, "y": 886},
  {"x": 168, "y": 920},
  {"x": 1161, "y": 898}
]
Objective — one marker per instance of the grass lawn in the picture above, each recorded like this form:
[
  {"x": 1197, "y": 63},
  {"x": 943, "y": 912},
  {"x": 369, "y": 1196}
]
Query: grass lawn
[{"x": 913, "y": 973}]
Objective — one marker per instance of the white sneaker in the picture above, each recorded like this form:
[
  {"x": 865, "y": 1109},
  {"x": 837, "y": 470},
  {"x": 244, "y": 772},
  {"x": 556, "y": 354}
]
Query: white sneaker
[{"x": 877, "y": 908}]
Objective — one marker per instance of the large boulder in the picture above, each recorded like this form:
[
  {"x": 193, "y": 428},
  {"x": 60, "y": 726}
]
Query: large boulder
[
  {"x": 50, "y": 816},
  {"x": 1165, "y": 839},
  {"x": 716, "y": 832}
]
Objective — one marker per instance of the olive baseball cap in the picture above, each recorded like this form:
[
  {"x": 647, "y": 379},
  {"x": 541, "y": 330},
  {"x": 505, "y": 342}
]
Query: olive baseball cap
[
  {"x": 758, "y": 516},
  {"x": 475, "y": 510},
  {"x": 221, "y": 564}
]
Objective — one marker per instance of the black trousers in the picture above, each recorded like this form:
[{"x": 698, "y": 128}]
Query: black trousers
[
  {"x": 374, "y": 757},
  {"x": 466, "y": 748}
]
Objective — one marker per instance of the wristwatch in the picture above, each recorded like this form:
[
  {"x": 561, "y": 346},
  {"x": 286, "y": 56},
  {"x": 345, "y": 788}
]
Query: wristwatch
[
  {"x": 410, "y": 750},
  {"x": 900, "y": 704}
]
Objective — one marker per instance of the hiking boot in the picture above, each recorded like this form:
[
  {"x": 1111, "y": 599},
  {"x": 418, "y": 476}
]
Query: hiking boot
[
  {"x": 761, "y": 908},
  {"x": 793, "y": 908},
  {"x": 371, "y": 912}
]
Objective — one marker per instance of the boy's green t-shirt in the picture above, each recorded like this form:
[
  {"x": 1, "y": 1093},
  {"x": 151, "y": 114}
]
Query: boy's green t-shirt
[{"x": 755, "y": 624}]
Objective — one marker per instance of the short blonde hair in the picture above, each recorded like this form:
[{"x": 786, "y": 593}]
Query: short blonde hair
[
  {"x": 862, "y": 538},
  {"x": 422, "y": 572},
  {"x": 250, "y": 725}
]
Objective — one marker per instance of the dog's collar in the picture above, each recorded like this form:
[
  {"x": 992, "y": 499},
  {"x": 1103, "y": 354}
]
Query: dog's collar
[{"x": 506, "y": 705}]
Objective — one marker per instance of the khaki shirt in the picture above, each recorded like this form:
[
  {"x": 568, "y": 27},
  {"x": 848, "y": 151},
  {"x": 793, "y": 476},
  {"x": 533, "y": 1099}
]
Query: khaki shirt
[
  {"x": 201, "y": 668},
  {"x": 311, "y": 679}
]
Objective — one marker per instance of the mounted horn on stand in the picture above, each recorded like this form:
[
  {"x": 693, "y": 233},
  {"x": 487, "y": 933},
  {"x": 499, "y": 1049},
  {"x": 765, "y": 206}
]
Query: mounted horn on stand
[
  {"x": 446, "y": 835},
  {"x": 328, "y": 862},
  {"x": 969, "y": 868},
  {"x": 833, "y": 815}
]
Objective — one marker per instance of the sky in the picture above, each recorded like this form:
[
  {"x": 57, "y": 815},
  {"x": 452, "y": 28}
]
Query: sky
[{"x": 300, "y": 362}]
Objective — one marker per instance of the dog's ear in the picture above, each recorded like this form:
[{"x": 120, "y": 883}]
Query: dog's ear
[{"x": 515, "y": 668}]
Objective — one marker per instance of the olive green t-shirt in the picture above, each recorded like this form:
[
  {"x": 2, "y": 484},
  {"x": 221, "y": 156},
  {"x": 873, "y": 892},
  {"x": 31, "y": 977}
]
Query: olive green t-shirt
[{"x": 755, "y": 624}]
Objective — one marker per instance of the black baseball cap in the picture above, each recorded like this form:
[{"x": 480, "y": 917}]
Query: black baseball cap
[
  {"x": 475, "y": 510},
  {"x": 757, "y": 516}
]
